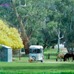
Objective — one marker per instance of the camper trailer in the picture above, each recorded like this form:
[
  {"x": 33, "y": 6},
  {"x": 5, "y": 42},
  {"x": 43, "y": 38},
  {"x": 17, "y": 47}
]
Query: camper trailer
[{"x": 36, "y": 53}]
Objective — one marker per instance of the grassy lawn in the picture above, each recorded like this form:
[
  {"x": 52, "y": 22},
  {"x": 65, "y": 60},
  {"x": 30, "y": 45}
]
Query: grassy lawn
[
  {"x": 49, "y": 66},
  {"x": 52, "y": 52},
  {"x": 36, "y": 68}
]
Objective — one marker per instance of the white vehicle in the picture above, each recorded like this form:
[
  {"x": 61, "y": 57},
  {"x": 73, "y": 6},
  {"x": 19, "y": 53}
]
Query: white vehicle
[{"x": 36, "y": 52}]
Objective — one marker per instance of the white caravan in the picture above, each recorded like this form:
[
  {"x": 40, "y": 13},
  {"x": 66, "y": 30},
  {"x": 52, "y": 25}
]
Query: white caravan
[{"x": 36, "y": 52}]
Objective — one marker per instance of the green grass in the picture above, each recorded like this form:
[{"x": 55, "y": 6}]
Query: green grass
[
  {"x": 50, "y": 51},
  {"x": 36, "y": 68},
  {"x": 49, "y": 66}
]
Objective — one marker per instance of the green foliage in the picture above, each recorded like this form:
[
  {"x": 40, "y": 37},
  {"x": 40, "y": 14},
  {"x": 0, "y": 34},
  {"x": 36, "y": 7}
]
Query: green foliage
[{"x": 46, "y": 15}]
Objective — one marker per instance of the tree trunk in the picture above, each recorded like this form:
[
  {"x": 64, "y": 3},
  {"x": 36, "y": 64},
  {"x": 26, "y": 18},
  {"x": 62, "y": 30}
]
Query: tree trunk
[
  {"x": 26, "y": 46},
  {"x": 19, "y": 55},
  {"x": 22, "y": 28}
]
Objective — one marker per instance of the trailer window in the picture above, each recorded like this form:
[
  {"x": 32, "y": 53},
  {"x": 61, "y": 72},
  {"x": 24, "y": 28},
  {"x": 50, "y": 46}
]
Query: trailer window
[
  {"x": 35, "y": 51},
  {"x": 38, "y": 51}
]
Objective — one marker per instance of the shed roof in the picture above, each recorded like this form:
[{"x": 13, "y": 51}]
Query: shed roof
[{"x": 4, "y": 46}]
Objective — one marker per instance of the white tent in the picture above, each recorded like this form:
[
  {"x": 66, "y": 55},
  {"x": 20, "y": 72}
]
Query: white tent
[{"x": 60, "y": 46}]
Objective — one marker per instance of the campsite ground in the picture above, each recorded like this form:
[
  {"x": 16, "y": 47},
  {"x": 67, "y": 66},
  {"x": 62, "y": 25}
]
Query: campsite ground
[{"x": 49, "y": 66}]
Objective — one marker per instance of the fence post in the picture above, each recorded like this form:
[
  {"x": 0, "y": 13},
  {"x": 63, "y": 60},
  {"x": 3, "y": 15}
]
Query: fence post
[{"x": 48, "y": 56}]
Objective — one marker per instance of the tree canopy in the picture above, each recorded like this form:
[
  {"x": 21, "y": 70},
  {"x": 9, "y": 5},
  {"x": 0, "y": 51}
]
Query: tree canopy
[
  {"x": 9, "y": 36},
  {"x": 41, "y": 19}
]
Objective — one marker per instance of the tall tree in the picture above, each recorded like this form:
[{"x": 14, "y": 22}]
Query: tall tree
[
  {"x": 22, "y": 28},
  {"x": 40, "y": 17},
  {"x": 9, "y": 36}
]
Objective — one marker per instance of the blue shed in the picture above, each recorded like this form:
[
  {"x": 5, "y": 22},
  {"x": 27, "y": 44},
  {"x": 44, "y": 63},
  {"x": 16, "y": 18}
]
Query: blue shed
[{"x": 5, "y": 53}]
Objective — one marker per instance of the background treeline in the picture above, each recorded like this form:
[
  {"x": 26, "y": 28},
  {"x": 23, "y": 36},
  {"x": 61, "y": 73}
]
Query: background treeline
[{"x": 42, "y": 20}]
